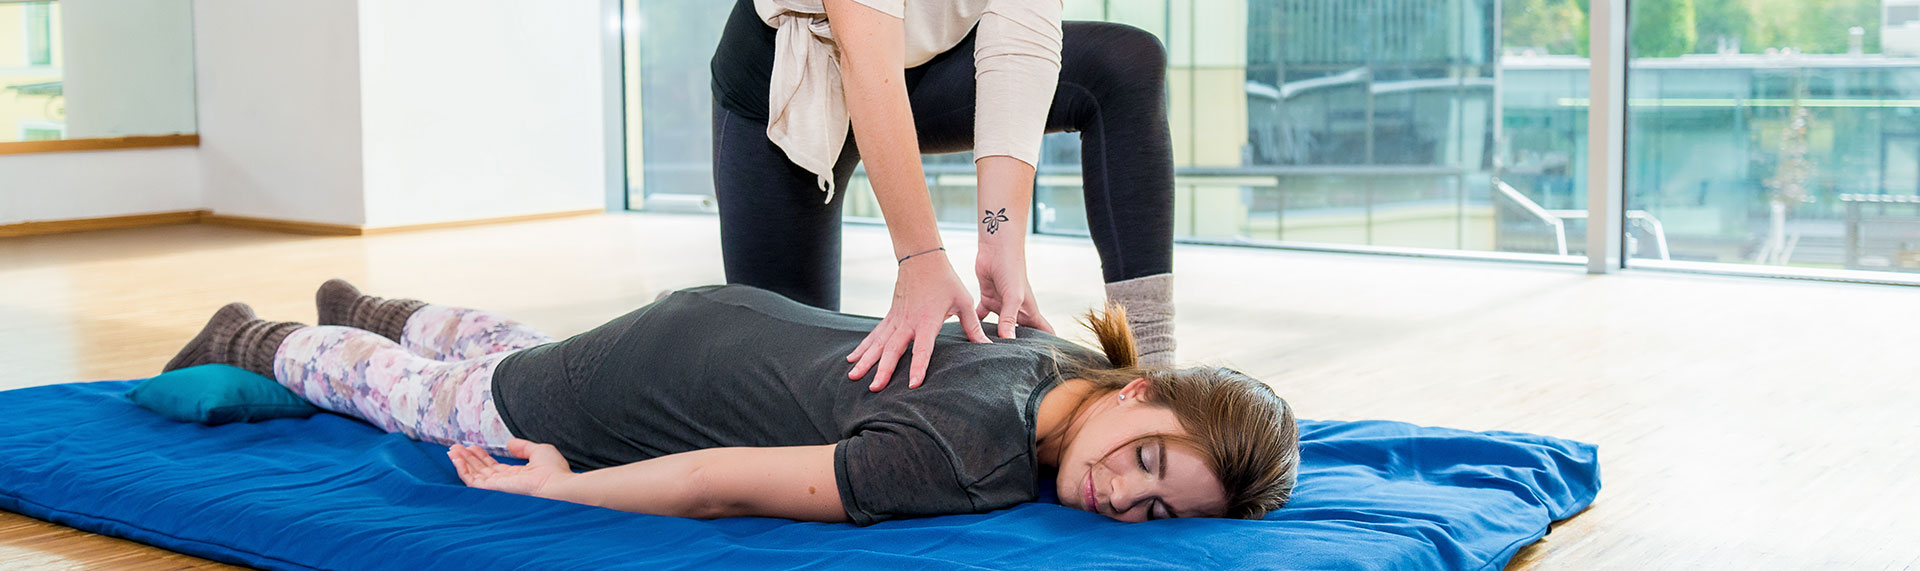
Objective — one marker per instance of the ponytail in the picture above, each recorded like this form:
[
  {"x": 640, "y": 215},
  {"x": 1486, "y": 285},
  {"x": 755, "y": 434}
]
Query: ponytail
[{"x": 1116, "y": 338}]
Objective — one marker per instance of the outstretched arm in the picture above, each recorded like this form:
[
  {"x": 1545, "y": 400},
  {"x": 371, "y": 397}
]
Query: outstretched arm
[{"x": 793, "y": 482}]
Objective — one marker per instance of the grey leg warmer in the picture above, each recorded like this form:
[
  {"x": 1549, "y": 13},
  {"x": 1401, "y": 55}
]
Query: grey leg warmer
[{"x": 1149, "y": 303}]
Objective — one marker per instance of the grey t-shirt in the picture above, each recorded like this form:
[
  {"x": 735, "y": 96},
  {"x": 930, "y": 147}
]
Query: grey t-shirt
[{"x": 739, "y": 366}]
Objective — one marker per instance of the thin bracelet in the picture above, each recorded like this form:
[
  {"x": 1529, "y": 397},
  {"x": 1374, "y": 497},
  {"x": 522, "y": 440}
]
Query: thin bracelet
[{"x": 903, "y": 259}]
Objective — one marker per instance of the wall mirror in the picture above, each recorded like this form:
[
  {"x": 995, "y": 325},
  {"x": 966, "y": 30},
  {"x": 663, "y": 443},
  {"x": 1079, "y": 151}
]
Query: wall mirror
[{"x": 75, "y": 70}]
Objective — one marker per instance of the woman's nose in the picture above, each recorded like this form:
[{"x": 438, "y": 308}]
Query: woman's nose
[{"x": 1125, "y": 493}]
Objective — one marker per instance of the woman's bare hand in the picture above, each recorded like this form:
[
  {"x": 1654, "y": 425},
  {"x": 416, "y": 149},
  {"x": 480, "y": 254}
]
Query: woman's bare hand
[
  {"x": 478, "y": 469},
  {"x": 925, "y": 293},
  {"x": 1005, "y": 291}
]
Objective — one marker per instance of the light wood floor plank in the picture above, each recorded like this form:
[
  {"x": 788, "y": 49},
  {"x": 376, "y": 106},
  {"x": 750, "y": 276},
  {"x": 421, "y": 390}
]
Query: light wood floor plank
[{"x": 1743, "y": 423}]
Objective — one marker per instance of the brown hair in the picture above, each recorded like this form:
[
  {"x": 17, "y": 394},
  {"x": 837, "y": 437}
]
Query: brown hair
[{"x": 1238, "y": 425}]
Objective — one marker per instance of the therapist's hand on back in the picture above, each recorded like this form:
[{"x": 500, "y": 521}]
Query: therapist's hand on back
[
  {"x": 926, "y": 292},
  {"x": 1004, "y": 289}
]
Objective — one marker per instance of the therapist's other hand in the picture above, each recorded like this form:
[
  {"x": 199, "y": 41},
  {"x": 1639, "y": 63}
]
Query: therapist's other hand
[
  {"x": 1005, "y": 291},
  {"x": 925, "y": 293}
]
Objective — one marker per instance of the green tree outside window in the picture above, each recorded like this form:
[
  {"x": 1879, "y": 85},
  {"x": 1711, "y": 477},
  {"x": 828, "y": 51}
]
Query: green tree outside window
[{"x": 1670, "y": 28}]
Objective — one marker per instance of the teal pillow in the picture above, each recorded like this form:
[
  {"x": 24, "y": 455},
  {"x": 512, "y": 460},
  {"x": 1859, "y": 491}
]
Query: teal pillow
[{"x": 218, "y": 394}]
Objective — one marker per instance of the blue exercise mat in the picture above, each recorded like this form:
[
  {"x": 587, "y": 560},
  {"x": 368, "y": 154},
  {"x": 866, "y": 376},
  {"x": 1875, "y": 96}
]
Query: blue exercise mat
[{"x": 333, "y": 492}]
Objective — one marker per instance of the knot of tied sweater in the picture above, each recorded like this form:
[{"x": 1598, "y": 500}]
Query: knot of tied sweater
[
  {"x": 1016, "y": 56},
  {"x": 806, "y": 111}
]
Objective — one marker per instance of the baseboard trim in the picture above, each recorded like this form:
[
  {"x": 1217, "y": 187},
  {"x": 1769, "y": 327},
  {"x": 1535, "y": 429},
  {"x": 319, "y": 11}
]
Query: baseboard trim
[
  {"x": 252, "y": 223},
  {"x": 104, "y": 144},
  {"x": 481, "y": 221},
  {"x": 283, "y": 226},
  {"x": 104, "y": 223}
]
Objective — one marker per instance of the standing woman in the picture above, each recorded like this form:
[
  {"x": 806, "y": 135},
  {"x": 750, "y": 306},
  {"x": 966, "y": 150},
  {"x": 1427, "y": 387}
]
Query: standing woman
[{"x": 938, "y": 76}]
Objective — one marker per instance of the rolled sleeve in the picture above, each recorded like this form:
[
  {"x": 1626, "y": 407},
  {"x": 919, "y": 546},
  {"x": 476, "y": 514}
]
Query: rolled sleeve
[{"x": 1017, "y": 65}]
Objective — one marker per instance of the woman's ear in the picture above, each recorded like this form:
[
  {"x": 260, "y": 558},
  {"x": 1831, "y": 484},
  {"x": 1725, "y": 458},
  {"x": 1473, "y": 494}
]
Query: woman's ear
[{"x": 1137, "y": 389}]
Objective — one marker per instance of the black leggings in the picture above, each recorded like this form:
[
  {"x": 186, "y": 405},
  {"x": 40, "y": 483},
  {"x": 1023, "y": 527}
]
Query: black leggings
[{"x": 777, "y": 234}]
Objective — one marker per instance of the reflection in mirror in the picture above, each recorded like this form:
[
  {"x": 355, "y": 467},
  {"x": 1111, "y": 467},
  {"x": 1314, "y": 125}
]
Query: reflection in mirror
[{"x": 87, "y": 69}]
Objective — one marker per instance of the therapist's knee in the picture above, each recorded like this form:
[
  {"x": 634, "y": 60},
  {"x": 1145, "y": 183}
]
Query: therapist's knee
[{"x": 1122, "y": 55}]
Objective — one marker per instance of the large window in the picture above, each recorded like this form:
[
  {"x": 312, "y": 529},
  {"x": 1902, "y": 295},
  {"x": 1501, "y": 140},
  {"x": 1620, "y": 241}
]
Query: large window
[
  {"x": 1787, "y": 138},
  {"x": 1782, "y": 134},
  {"x": 1344, "y": 123},
  {"x": 669, "y": 101}
]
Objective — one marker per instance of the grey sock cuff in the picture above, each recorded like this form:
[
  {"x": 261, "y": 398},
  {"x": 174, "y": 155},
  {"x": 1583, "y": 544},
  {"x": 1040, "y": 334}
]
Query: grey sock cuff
[
  {"x": 1149, "y": 303},
  {"x": 390, "y": 316},
  {"x": 254, "y": 346}
]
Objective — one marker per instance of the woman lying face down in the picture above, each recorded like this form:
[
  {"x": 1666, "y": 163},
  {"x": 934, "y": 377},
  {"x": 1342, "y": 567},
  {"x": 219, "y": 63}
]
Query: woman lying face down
[
  {"x": 1114, "y": 452},
  {"x": 733, "y": 401},
  {"x": 1155, "y": 443}
]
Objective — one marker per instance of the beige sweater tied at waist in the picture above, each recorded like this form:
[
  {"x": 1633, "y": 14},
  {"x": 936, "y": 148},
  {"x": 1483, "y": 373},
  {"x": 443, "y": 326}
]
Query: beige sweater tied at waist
[{"x": 1016, "y": 61}]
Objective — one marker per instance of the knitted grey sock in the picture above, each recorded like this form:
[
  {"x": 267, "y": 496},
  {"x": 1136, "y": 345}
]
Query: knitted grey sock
[
  {"x": 342, "y": 304},
  {"x": 1149, "y": 303},
  {"x": 210, "y": 345},
  {"x": 234, "y": 336},
  {"x": 254, "y": 345}
]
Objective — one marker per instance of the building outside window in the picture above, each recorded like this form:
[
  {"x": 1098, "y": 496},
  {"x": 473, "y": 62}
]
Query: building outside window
[
  {"x": 32, "y": 105},
  {"x": 1768, "y": 132},
  {"x": 38, "y": 32}
]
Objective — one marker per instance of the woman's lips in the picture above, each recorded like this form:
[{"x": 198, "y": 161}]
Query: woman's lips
[{"x": 1090, "y": 498}]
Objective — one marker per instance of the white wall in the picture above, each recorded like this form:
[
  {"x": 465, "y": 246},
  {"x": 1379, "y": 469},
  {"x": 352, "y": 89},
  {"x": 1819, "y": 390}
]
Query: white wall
[
  {"x": 480, "y": 109},
  {"x": 279, "y": 101},
  {"x": 128, "y": 68},
  {"x": 371, "y": 113},
  {"x": 113, "y": 48},
  {"x": 66, "y": 186}
]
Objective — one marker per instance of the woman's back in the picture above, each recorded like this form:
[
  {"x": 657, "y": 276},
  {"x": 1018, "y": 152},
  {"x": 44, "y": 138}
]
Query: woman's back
[{"x": 731, "y": 366}]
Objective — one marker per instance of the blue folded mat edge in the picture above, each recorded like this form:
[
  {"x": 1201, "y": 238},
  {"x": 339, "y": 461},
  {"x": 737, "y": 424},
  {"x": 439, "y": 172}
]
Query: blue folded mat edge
[
  {"x": 131, "y": 532},
  {"x": 1575, "y": 484}
]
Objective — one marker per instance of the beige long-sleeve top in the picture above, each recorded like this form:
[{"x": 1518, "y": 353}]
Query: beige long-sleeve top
[{"x": 1016, "y": 59}]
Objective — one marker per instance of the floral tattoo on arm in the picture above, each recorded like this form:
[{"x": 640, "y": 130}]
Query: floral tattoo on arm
[{"x": 993, "y": 220}]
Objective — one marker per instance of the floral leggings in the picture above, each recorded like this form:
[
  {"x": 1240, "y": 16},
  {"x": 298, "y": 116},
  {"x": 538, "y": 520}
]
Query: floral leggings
[{"x": 436, "y": 385}]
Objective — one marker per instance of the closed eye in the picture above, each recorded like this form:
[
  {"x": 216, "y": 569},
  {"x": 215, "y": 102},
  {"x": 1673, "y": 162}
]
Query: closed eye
[{"x": 1158, "y": 509}]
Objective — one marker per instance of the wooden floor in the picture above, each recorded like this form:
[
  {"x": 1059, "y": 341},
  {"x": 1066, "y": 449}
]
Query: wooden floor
[{"x": 1743, "y": 423}]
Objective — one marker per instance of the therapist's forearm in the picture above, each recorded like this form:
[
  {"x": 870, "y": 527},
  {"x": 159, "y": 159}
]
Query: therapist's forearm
[
  {"x": 1006, "y": 190},
  {"x": 874, "y": 81},
  {"x": 883, "y": 126}
]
